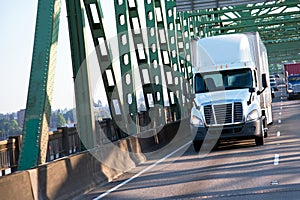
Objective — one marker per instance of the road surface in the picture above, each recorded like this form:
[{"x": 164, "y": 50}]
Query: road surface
[{"x": 233, "y": 170}]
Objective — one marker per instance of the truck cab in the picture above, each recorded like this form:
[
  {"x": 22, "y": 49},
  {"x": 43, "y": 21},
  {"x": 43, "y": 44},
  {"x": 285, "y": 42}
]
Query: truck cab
[
  {"x": 291, "y": 73},
  {"x": 293, "y": 86},
  {"x": 232, "y": 98}
]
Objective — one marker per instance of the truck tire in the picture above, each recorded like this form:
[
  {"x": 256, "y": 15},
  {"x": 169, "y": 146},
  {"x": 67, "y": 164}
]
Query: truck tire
[
  {"x": 259, "y": 141},
  {"x": 265, "y": 127},
  {"x": 197, "y": 145}
]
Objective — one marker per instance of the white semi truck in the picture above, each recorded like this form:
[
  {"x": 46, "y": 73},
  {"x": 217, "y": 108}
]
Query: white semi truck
[{"x": 231, "y": 88}]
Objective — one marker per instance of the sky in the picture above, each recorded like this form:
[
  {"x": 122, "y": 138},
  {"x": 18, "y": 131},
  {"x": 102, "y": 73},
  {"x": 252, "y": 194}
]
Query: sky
[{"x": 17, "y": 22}]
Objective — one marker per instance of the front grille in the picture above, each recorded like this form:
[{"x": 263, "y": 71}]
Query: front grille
[
  {"x": 223, "y": 113},
  {"x": 238, "y": 112}
]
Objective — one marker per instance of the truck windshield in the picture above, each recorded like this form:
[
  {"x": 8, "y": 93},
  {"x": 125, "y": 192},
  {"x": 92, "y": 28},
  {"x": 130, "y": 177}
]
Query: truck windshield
[{"x": 223, "y": 80}]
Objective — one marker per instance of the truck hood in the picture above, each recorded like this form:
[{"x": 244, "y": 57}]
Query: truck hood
[{"x": 223, "y": 96}]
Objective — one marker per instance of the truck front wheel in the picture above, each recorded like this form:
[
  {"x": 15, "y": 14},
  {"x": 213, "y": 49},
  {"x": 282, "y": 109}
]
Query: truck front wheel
[
  {"x": 290, "y": 97},
  {"x": 259, "y": 141},
  {"x": 197, "y": 145}
]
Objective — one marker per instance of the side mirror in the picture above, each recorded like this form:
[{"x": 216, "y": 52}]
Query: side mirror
[
  {"x": 264, "y": 80},
  {"x": 251, "y": 90},
  {"x": 264, "y": 84}
]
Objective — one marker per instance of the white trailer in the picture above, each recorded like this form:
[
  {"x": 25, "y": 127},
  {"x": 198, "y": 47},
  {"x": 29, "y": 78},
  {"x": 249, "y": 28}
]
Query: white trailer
[{"x": 232, "y": 94}]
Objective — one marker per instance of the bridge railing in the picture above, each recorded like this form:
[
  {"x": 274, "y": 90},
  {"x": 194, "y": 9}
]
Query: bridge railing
[
  {"x": 66, "y": 141},
  {"x": 9, "y": 154},
  {"x": 63, "y": 142}
]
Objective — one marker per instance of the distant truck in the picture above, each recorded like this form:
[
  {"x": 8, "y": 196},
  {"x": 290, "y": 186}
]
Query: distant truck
[
  {"x": 232, "y": 98},
  {"x": 292, "y": 79}
]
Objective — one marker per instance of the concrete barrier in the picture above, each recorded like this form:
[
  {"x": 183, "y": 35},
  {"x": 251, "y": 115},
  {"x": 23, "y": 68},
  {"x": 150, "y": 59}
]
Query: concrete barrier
[
  {"x": 73, "y": 175},
  {"x": 16, "y": 186}
]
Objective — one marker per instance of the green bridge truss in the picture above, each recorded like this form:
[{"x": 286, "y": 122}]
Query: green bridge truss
[
  {"x": 166, "y": 42},
  {"x": 278, "y": 23}
]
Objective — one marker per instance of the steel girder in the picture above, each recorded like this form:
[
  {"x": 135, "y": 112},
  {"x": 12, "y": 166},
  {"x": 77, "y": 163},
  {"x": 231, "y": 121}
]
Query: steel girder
[
  {"x": 81, "y": 74},
  {"x": 277, "y": 22},
  {"x": 188, "y": 5},
  {"x": 38, "y": 107},
  {"x": 105, "y": 60}
]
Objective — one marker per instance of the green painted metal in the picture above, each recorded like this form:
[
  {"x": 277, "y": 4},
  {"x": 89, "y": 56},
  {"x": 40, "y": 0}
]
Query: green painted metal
[
  {"x": 104, "y": 56},
  {"x": 155, "y": 72},
  {"x": 186, "y": 38},
  {"x": 164, "y": 50},
  {"x": 149, "y": 74},
  {"x": 183, "y": 65},
  {"x": 181, "y": 49},
  {"x": 84, "y": 103},
  {"x": 276, "y": 21},
  {"x": 128, "y": 90},
  {"x": 170, "y": 15},
  {"x": 38, "y": 108}
]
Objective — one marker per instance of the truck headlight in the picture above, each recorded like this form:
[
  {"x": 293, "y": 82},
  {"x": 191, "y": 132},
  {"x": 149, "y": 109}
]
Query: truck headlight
[
  {"x": 196, "y": 121},
  {"x": 290, "y": 90},
  {"x": 253, "y": 115}
]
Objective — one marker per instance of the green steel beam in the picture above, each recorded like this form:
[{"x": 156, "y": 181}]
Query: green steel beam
[
  {"x": 277, "y": 22},
  {"x": 83, "y": 98},
  {"x": 126, "y": 65},
  {"x": 155, "y": 72},
  {"x": 150, "y": 74},
  {"x": 104, "y": 56},
  {"x": 256, "y": 18},
  {"x": 245, "y": 8},
  {"x": 164, "y": 50},
  {"x": 38, "y": 107},
  {"x": 171, "y": 34},
  {"x": 186, "y": 38},
  {"x": 181, "y": 49},
  {"x": 275, "y": 47},
  {"x": 244, "y": 27},
  {"x": 185, "y": 31},
  {"x": 288, "y": 51}
]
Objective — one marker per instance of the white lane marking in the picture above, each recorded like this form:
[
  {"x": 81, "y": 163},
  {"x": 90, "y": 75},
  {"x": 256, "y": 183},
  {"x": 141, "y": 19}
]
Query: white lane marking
[
  {"x": 274, "y": 182},
  {"x": 278, "y": 133},
  {"x": 280, "y": 113},
  {"x": 279, "y": 121},
  {"x": 141, "y": 172},
  {"x": 276, "y": 159}
]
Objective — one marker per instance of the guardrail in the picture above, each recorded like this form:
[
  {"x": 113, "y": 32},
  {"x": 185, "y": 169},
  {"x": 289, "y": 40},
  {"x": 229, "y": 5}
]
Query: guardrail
[{"x": 66, "y": 141}]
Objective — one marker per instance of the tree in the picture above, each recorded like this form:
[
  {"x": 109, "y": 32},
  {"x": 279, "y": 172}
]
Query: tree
[
  {"x": 60, "y": 120},
  {"x": 9, "y": 127},
  {"x": 69, "y": 115},
  {"x": 57, "y": 119}
]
